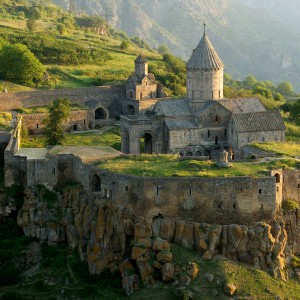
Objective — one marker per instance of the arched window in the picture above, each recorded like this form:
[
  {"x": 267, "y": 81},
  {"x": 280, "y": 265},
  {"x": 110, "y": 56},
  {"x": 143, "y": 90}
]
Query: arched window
[
  {"x": 216, "y": 140},
  {"x": 277, "y": 176}
]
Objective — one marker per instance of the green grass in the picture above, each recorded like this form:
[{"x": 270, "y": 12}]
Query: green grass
[
  {"x": 291, "y": 149},
  {"x": 5, "y": 118},
  {"x": 169, "y": 165},
  {"x": 106, "y": 137},
  {"x": 45, "y": 109}
]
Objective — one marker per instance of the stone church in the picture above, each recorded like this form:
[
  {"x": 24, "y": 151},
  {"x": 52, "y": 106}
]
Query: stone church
[{"x": 202, "y": 123}]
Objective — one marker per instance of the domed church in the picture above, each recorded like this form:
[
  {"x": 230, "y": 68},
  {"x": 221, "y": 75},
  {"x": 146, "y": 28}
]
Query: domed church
[{"x": 203, "y": 123}]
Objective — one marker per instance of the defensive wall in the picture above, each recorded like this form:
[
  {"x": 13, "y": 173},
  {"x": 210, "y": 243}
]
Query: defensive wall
[
  {"x": 242, "y": 200},
  {"x": 89, "y": 97}
]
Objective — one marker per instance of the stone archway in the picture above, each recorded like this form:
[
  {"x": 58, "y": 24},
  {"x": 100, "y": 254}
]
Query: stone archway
[
  {"x": 146, "y": 140},
  {"x": 101, "y": 114},
  {"x": 96, "y": 183},
  {"x": 130, "y": 110}
]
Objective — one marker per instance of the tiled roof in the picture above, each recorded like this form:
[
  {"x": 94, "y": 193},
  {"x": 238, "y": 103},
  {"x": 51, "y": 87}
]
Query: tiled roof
[
  {"x": 141, "y": 59},
  {"x": 204, "y": 57},
  {"x": 242, "y": 105},
  {"x": 173, "y": 107},
  {"x": 258, "y": 121},
  {"x": 174, "y": 124}
]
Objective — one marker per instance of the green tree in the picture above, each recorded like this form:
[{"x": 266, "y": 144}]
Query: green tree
[
  {"x": 59, "y": 112},
  {"x": 162, "y": 49},
  {"x": 31, "y": 24},
  {"x": 285, "y": 88},
  {"x": 124, "y": 45},
  {"x": 295, "y": 111},
  {"x": 18, "y": 64},
  {"x": 250, "y": 81}
]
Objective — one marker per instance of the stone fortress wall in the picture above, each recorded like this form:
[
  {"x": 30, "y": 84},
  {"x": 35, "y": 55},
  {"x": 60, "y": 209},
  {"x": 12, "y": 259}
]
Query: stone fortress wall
[{"x": 242, "y": 200}]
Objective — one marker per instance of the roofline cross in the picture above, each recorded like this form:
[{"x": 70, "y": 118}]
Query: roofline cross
[{"x": 204, "y": 27}]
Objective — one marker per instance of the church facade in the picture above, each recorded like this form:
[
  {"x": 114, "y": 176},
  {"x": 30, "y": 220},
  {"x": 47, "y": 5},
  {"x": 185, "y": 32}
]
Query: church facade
[{"x": 202, "y": 123}]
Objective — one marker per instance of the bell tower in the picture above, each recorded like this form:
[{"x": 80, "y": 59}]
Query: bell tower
[
  {"x": 205, "y": 72},
  {"x": 141, "y": 66}
]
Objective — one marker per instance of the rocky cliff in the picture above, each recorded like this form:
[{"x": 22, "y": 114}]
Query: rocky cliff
[{"x": 107, "y": 235}]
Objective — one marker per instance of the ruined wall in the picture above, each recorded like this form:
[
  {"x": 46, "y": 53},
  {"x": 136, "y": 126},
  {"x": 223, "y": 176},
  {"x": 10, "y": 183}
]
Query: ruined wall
[
  {"x": 91, "y": 97},
  {"x": 291, "y": 185},
  {"x": 78, "y": 120}
]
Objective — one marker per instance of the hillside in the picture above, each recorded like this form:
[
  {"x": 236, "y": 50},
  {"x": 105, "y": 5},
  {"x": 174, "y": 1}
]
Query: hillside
[{"x": 251, "y": 36}]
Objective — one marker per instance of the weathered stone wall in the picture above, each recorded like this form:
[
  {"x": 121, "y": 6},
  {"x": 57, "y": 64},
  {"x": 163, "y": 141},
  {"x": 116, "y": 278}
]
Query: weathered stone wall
[
  {"x": 132, "y": 132},
  {"x": 91, "y": 97},
  {"x": 78, "y": 120},
  {"x": 291, "y": 185}
]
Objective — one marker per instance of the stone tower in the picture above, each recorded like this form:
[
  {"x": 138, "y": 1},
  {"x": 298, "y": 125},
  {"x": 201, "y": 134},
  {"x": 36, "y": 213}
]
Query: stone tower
[
  {"x": 204, "y": 75},
  {"x": 141, "y": 66}
]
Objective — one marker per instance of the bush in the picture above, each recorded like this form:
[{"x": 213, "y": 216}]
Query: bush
[
  {"x": 18, "y": 64},
  {"x": 290, "y": 204}
]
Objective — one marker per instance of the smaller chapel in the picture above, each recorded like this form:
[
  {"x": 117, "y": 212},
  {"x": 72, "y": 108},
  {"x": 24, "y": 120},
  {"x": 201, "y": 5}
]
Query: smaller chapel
[{"x": 202, "y": 124}]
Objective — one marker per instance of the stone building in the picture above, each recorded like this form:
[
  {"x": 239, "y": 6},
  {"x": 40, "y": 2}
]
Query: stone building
[{"x": 204, "y": 122}]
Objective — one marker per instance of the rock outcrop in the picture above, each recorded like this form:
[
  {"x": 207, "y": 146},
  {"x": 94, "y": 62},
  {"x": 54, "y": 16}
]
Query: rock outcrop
[{"x": 106, "y": 234}]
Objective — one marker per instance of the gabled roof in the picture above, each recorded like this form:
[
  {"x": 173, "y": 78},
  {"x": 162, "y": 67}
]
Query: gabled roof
[
  {"x": 258, "y": 121},
  {"x": 242, "y": 105},
  {"x": 174, "y": 124},
  {"x": 204, "y": 57},
  {"x": 173, "y": 107},
  {"x": 141, "y": 59},
  {"x": 138, "y": 80}
]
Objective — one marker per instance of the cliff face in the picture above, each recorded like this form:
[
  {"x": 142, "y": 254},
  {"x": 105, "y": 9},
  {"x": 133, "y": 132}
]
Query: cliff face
[{"x": 106, "y": 234}]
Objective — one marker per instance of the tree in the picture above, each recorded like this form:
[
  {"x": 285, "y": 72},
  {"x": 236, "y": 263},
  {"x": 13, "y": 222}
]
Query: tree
[
  {"x": 18, "y": 64},
  {"x": 285, "y": 88},
  {"x": 59, "y": 112},
  {"x": 250, "y": 80},
  {"x": 31, "y": 24},
  {"x": 124, "y": 45},
  {"x": 295, "y": 111},
  {"x": 162, "y": 49}
]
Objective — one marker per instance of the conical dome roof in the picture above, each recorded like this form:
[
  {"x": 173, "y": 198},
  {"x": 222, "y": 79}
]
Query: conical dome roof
[
  {"x": 204, "y": 57},
  {"x": 141, "y": 59}
]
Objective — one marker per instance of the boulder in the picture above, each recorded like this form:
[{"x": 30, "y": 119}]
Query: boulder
[
  {"x": 167, "y": 272},
  {"x": 187, "y": 239},
  {"x": 164, "y": 256},
  {"x": 160, "y": 244},
  {"x": 138, "y": 251},
  {"x": 167, "y": 229},
  {"x": 209, "y": 277},
  {"x": 192, "y": 270},
  {"x": 229, "y": 289},
  {"x": 185, "y": 280}
]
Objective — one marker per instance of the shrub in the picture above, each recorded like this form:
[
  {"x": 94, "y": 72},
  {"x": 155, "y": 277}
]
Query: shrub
[{"x": 290, "y": 204}]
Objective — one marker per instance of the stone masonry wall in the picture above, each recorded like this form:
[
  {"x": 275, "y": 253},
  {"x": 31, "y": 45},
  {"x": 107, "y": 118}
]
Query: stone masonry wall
[
  {"x": 78, "y": 120},
  {"x": 91, "y": 97}
]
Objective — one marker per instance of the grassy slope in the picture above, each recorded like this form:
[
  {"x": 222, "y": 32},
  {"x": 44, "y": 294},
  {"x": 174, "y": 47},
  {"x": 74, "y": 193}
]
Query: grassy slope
[{"x": 116, "y": 69}]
